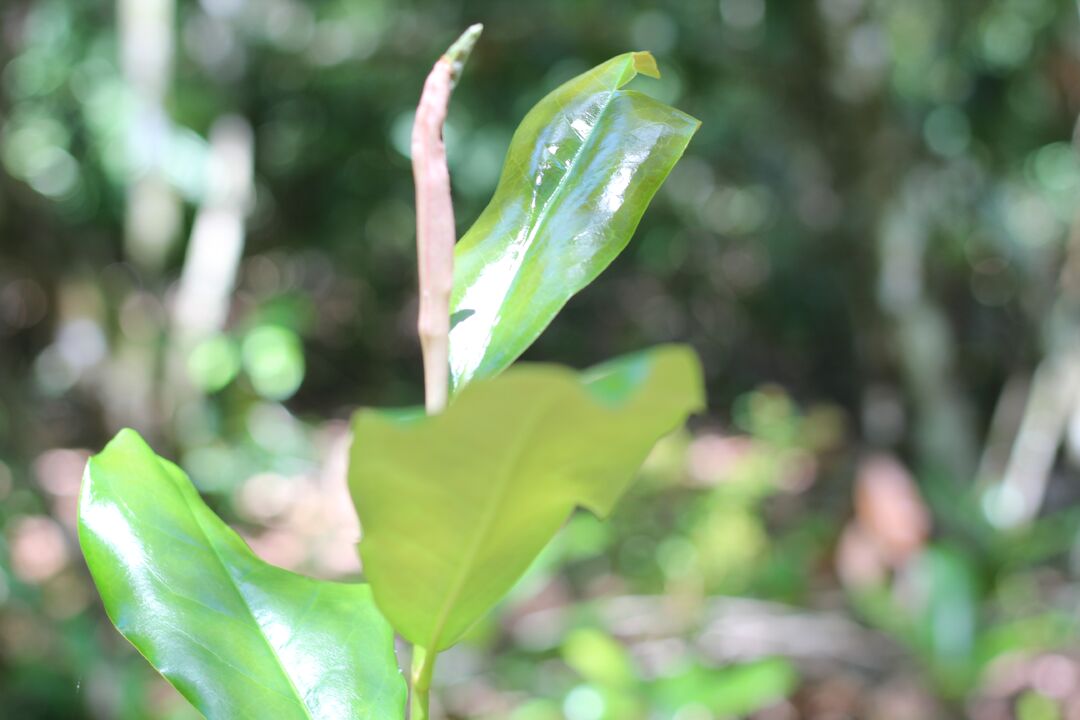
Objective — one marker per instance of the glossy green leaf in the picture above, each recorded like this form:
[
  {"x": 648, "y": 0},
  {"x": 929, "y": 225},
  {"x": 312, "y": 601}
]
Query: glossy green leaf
[
  {"x": 237, "y": 637},
  {"x": 581, "y": 169},
  {"x": 455, "y": 506}
]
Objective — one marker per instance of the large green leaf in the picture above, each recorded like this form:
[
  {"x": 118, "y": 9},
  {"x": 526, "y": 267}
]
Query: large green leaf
[
  {"x": 237, "y": 637},
  {"x": 455, "y": 506},
  {"x": 581, "y": 169}
]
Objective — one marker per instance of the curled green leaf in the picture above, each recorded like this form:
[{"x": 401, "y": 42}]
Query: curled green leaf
[{"x": 581, "y": 169}]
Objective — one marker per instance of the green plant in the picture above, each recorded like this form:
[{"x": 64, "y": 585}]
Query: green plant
[{"x": 454, "y": 504}]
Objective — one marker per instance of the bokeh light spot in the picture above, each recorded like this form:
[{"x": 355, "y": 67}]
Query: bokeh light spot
[
  {"x": 274, "y": 361},
  {"x": 584, "y": 703},
  {"x": 213, "y": 363}
]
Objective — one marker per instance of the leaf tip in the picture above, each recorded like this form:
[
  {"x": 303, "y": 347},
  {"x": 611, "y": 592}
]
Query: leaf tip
[
  {"x": 126, "y": 438},
  {"x": 692, "y": 369},
  {"x": 459, "y": 52},
  {"x": 645, "y": 63}
]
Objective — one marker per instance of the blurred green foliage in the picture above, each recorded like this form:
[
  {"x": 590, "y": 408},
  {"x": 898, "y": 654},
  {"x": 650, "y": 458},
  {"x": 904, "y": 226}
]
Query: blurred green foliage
[{"x": 872, "y": 243}]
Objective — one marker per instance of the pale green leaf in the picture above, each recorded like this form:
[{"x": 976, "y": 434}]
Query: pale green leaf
[{"x": 454, "y": 507}]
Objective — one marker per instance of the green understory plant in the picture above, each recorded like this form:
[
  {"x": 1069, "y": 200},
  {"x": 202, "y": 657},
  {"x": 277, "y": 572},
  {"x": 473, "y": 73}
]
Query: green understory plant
[{"x": 455, "y": 502}]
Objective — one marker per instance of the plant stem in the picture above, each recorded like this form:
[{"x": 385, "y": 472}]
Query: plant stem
[
  {"x": 435, "y": 262},
  {"x": 423, "y": 663},
  {"x": 435, "y": 219}
]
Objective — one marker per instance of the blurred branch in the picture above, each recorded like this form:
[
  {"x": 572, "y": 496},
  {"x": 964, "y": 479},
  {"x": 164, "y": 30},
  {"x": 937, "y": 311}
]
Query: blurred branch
[
  {"x": 1054, "y": 398},
  {"x": 732, "y": 629},
  {"x": 217, "y": 237},
  {"x": 1055, "y": 389},
  {"x": 945, "y": 430},
  {"x": 147, "y": 28},
  {"x": 217, "y": 244}
]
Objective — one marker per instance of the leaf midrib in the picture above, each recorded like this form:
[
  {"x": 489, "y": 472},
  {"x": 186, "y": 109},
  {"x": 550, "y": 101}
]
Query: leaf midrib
[
  {"x": 487, "y": 520},
  {"x": 538, "y": 221},
  {"x": 243, "y": 600},
  {"x": 542, "y": 217}
]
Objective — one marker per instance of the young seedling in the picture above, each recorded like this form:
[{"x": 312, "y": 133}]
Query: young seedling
[{"x": 455, "y": 503}]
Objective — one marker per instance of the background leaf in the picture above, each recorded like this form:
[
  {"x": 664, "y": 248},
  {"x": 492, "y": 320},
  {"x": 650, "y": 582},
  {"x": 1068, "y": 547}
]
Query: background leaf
[
  {"x": 455, "y": 506},
  {"x": 733, "y": 691},
  {"x": 581, "y": 169},
  {"x": 237, "y": 637}
]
